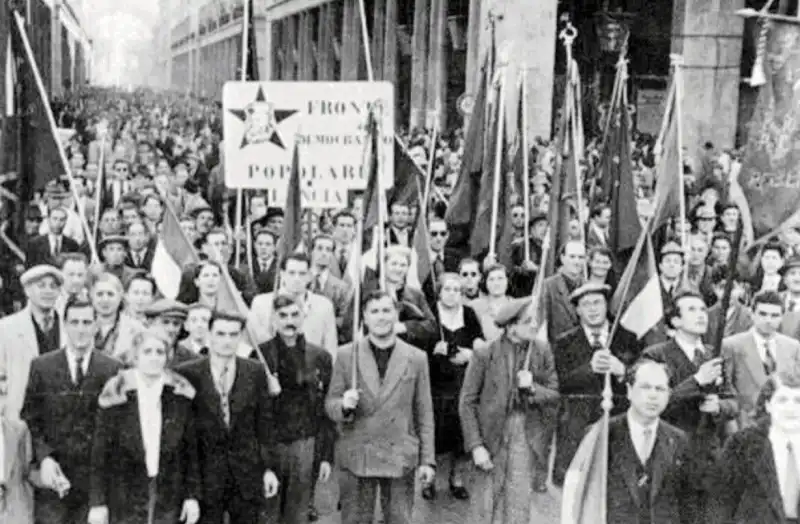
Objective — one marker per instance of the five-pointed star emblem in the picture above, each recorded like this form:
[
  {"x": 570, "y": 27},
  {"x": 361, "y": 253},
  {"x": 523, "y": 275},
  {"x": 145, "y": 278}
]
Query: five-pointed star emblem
[{"x": 275, "y": 115}]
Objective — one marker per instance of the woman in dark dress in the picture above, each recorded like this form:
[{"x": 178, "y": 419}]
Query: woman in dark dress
[{"x": 459, "y": 334}]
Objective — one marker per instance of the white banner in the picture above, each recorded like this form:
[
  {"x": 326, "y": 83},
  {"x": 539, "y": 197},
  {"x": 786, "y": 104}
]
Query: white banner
[{"x": 263, "y": 121}]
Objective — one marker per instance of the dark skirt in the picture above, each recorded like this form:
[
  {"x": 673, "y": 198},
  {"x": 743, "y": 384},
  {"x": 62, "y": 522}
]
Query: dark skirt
[{"x": 446, "y": 421}]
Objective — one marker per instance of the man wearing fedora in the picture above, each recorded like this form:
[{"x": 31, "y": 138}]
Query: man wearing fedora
[
  {"x": 583, "y": 356},
  {"x": 507, "y": 406}
]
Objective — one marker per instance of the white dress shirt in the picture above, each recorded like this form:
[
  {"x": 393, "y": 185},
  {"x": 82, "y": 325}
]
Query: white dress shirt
[
  {"x": 779, "y": 442},
  {"x": 642, "y": 443},
  {"x": 763, "y": 345},
  {"x": 149, "y": 399},
  {"x": 771, "y": 283},
  {"x": 72, "y": 362},
  {"x": 689, "y": 348},
  {"x": 602, "y": 331}
]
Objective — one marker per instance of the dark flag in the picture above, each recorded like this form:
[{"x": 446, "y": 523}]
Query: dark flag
[
  {"x": 409, "y": 181},
  {"x": 625, "y": 226},
  {"x": 371, "y": 197},
  {"x": 292, "y": 233},
  {"x": 251, "y": 71}
]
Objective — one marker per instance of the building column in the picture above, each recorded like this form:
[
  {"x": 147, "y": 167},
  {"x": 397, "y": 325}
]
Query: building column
[
  {"x": 437, "y": 65},
  {"x": 531, "y": 47},
  {"x": 351, "y": 41},
  {"x": 56, "y": 77},
  {"x": 325, "y": 56},
  {"x": 305, "y": 44},
  {"x": 419, "y": 62},
  {"x": 708, "y": 35},
  {"x": 390, "y": 49}
]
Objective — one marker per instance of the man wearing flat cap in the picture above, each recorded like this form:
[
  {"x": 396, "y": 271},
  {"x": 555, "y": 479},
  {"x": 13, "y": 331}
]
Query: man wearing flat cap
[
  {"x": 168, "y": 316},
  {"x": 203, "y": 219},
  {"x": 523, "y": 271},
  {"x": 112, "y": 250},
  {"x": 583, "y": 356},
  {"x": 33, "y": 331},
  {"x": 507, "y": 406}
]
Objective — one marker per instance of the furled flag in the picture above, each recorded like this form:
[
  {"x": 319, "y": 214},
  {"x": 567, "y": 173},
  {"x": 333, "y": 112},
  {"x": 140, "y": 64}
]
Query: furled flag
[{"x": 174, "y": 251}]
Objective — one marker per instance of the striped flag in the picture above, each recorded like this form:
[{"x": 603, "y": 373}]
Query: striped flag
[
  {"x": 174, "y": 251},
  {"x": 585, "y": 489}
]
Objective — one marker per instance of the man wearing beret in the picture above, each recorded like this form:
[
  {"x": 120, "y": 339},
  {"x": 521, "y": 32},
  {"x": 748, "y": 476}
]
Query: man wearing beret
[
  {"x": 168, "y": 316},
  {"x": 507, "y": 407},
  {"x": 583, "y": 356},
  {"x": 33, "y": 331}
]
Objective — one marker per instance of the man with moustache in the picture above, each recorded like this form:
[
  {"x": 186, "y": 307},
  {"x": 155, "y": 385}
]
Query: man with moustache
[
  {"x": 702, "y": 401},
  {"x": 304, "y": 439},
  {"x": 385, "y": 419}
]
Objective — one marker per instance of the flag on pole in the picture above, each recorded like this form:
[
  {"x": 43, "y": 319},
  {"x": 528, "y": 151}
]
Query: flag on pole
[
  {"x": 292, "y": 234},
  {"x": 251, "y": 71},
  {"x": 584, "y": 498},
  {"x": 409, "y": 180},
  {"x": 174, "y": 251},
  {"x": 646, "y": 308}
]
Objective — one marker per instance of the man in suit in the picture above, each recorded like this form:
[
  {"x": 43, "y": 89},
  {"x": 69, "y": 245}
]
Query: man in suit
[
  {"x": 319, "y": 325},
  {"x": 264, "y": 265},
  {"x": 523, "y": 271},
  {"x": 558, "y": 288},
  {"x": 60, "y": 409},
  {"x": 583, "y": 355},
  {"x": 344, "y": 232},
  {"x": 235, "y": 428},
  {"x": 738, "y": 318},
  {"x": 304, "y": 439},
  {"x": 442, "y": 259},
  {"x": 646, "y": 455},
  {"x": 168, "y": 316},
  {"x": 702, "y": 401},
  {"x": 334, "y": 289},
  {"x": 16, "y": 456},
  {"x": 385, "y": 419},
  {"x": 752, "y": 356},
  {"x": 507, "y": 412},
  {"x": 597, "y": 233},
  {"x": 35, "y": 330},
  {"x": 141, "y": 247},
  {"x": 757, "y": 473},
  {"x": 113, "y": 250},
  {"x": 399, "y": 230},
  {"x": 216, "y": 245},
  {"x": 46, "y": 248}
]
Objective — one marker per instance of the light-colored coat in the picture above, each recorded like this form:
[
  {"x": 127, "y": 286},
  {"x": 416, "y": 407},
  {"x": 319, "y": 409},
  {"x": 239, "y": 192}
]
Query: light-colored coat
[
  {"x": 391, "y": 432},
  {"x": 745, "y": 369},
  {"x": 18, "y": 456},
  {"x": 319, "y": 326},
  {"x": 18, "y": 348},
  {"x": 119, "y": 344}
]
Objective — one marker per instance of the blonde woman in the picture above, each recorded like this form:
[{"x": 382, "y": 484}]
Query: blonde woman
[
  {"x": 144, "y": 465},
  {"x": 495, "y": 284}
]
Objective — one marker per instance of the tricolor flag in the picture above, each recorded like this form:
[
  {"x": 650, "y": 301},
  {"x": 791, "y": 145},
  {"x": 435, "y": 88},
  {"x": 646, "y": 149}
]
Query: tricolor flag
[
  {"x": 584, "y": 500},
  {"x": 174, "y": 252}
]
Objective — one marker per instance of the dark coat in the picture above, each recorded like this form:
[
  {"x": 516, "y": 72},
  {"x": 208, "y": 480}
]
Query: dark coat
[
  {"x": 581, "y": 389},
  {"x": 119, "y": 472},
  {"x": 450, "y": 261},
  {"x": 667, "y": 479},
  {"x": 242, "y": 452},
  {"x": 62, "y": 416},
  {"x": 147, "y": 262},
  {"x": 38, "y": 250},
  {"x": 746, "y": 488},
  {"x": 188, "y": 294},
  {"x": 264, "y": 280}
]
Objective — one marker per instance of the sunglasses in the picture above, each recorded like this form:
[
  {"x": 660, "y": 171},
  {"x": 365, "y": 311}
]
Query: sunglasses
[
  {"x": 469, "y": 274},
  {"x": 438, "y": 233}
]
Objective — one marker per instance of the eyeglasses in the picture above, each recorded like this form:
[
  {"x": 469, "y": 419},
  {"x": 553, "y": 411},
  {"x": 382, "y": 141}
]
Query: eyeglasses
[{"x": 438, "y": 233}]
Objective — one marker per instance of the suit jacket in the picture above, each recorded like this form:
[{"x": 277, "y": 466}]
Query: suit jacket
[
  {"x": 147, "y": 261},
  {"x": 349, "y": 271},
  {"x": 790, "y": 325},
  {"x": 561, "y": 315},
  {"x": 420, "y": 332},
  {"x": 745, "y": 369},
  {"x": 242, "y": 452},
  {"x": 119, "y": 341},
  {"x": 319, "y": 326},
  {"x": 521, "y": 279},
  {"x": 450, "y": 262},
  {"x": 119, "y": 477},
  {"x": 486, "y": 396},
  {"x": 667, "y": 481},
  {"x": 18, "y": 506},
  {"x": 341, "y": 296},
  {"x": 18, "y": 348},
  {"x": 581, "y": 389},
  {"x": 746, "y": 488},
  {"x": 264, "y": 280},
  {"x": 740, "y": 321},
  {"x": 61, "y": 415},
  {"x": 38, "y": 250},
  {"x": 391, "y": 432},
  {"x": 593, "y": 238},
  {"x": 706, "y": 432}
]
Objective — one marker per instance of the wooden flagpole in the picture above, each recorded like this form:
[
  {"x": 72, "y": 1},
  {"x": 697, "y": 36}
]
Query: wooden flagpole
[
  {"x": 20, "y": 22},
  {"x": 677, "y": 64},
  {"x": 526, "y": 175},
  {"x": 243, "y": 77},
  {"x": 498, "y": 159},
  {"x": 98, "y": 189}
]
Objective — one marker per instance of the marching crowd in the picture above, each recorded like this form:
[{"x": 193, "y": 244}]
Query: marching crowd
[{"x": 124, "y": 406}]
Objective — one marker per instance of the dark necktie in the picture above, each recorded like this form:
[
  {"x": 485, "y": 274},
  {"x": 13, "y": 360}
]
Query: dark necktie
[
  {"x": 769, "y": 360},
  {"x": 596, "y": 342},
  {"x": 699, "y": 357},
  {"x": 79, "y": 371},
  {"x": 438, "y": 267},
  {"x": 342, "y": 261},
  {"x": 56, "y": 246}
]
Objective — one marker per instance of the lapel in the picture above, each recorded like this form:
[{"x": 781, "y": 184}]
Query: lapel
[
  {"x": 753, "y": 363},
  {"x": 625, "y": 459},
  {"x": 10, "y": 438},
  {"x": 395, "y": 370},
  {"x": 563, "y": 291},
  {"x": 368, "y": 368},
  {"x": 133, "y": 423},
  {"x": 662, "y": 456},
  {"x": 763, "y": 461},
  {"x": 26, "y": 332},
  {"x": 213, "y": 394},
  {"x": 239, "y": 393}
]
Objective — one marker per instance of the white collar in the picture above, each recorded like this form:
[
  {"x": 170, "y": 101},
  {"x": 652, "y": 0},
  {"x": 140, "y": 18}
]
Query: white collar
[
  {"x": 637, "y": 428},
  {"x": 686, "y": 346},
  {"x": 72, "y": 356},
  {"x": 760, "y": 339}
]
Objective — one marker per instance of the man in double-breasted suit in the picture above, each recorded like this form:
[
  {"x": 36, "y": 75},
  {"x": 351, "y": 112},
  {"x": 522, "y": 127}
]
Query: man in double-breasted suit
[
  {"x": 646, "y": 455},
  {"x": 385, "y": 419},
  {"x": 319, "y": 326},
  {"x": 561, "y": 316},
  {"x": 757, "y": 472},
  {"x": 752, "y": 356},
  {"x": 60, "y": 409},
  {"x": 583, "y": 355},
  {"x": 507, "y": 414},
  {"x": 17, "y": 456},
  {"x": 702, "y": 401},
  {"x": 33, "y": 331},
  {"x": 233, "y": 421}
]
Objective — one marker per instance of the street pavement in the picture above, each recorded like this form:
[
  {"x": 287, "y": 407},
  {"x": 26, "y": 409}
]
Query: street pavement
[{"x": 444, "y": 510}]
